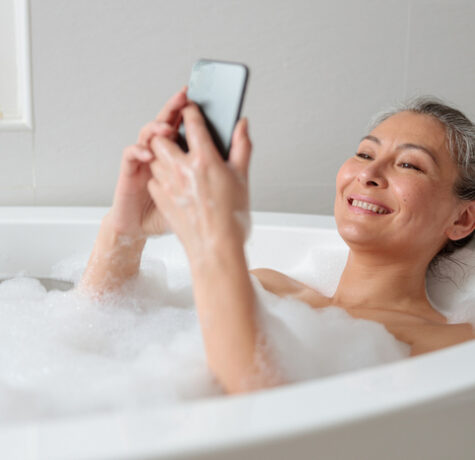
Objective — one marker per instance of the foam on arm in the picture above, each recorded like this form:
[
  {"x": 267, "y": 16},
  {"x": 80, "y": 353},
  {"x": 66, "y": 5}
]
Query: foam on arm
[{"x": 114, "y": 260}]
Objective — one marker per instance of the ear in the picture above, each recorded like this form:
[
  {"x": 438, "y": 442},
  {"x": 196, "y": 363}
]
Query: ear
[{"x": 465, "y": 224}]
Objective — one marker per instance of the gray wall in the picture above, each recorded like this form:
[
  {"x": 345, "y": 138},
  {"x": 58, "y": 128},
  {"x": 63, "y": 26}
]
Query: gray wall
[{"x": 319, "y": 70}]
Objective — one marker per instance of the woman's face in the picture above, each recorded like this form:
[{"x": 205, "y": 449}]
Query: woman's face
[{"x": 403, "y": 175}]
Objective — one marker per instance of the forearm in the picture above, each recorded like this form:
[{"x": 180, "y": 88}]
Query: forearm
[
  {"x": 114, "y": 260},
  {"x": 226, "y": 305}
]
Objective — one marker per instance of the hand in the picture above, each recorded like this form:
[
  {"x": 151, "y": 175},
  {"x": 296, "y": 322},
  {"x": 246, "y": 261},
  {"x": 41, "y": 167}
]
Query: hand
[
  {"x": 204, "y": 199},
  {"x": 133, "y": 211}
]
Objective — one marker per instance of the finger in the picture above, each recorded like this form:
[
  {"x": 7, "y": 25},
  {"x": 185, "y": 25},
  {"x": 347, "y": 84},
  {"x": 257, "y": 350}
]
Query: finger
[
  {"x": 155, "y": 128},
  {"x": 166, "y": 150},
  {"x": 153, "y": 188},
  {"x": 157, "y": 192},
  {"x": 197, "y": 134},
  {"x": 133, "y": 156},
  {"x": 172, "y": 107},
  {"x": 157, "y": 169},
  {"x": 241, "y": 148}
]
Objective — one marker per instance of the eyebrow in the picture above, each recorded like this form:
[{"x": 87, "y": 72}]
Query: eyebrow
[{"x": 405, "y": 146}]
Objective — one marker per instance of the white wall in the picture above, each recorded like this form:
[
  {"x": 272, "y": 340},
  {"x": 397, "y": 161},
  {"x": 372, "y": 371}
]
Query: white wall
[{"x": 319, "y": 70}]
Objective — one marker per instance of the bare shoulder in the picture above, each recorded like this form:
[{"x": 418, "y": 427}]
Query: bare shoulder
[
  {"x": 422, "y": 335},
  {"x": 283, "y": 286},
  {"x": 276, "y": 282},
  {"x": 431, "y": 337}
]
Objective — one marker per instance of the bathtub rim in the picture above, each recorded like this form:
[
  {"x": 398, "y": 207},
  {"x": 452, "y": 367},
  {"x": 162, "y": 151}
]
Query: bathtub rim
[
  {"x": 105, "y": 431},
  {"x": 94, "y": 214},
  {"x": 421, "y": 383}
]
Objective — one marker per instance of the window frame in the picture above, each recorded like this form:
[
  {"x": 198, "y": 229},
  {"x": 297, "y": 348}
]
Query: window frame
[{"x": 23, "y": 119}]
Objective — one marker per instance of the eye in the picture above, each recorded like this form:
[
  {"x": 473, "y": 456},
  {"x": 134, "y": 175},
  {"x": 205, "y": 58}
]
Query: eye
[
  {"x": 410, "y": 166},
  {"x": 363, "y": 155}
]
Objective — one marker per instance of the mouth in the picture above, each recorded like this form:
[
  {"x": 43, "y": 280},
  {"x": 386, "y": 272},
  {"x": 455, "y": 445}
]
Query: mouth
[{"x": 366, "y": 205}]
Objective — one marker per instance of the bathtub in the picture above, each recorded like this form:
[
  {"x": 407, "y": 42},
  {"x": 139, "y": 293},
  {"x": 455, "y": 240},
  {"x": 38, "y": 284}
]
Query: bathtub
[{"x": 418, "y": 408}]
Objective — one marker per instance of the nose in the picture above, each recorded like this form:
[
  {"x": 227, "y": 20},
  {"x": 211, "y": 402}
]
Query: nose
[{"x": 372, "y": 176}]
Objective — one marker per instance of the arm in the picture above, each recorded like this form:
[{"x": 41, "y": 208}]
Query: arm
[
  {"x": 117, "y": 251},
  {"x": 115, "y": 258},
  {"x": 226, "y": 306},
  {"x": 205, "y": 201}
]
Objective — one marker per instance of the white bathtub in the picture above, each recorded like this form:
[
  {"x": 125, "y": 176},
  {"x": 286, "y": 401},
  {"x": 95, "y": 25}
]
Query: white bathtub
[{"x": 418, "y": 408}]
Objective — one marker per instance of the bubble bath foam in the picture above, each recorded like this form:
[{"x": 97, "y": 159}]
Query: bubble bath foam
[{"x": 127, "y": 377}]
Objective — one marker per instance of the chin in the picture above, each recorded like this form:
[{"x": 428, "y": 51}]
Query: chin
[{"x": 355, "y": 232}]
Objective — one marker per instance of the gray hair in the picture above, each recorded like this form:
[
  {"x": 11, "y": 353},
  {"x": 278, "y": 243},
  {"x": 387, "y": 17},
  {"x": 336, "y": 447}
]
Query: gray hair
[{"x": 460, "y": 135}]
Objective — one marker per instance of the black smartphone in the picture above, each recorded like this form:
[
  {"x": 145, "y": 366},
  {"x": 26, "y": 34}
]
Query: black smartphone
[{"x": 218, "y": 88}]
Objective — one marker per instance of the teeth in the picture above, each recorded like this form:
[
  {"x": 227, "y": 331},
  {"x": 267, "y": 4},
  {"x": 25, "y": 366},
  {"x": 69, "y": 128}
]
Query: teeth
[{"x": 368, "y": 206}]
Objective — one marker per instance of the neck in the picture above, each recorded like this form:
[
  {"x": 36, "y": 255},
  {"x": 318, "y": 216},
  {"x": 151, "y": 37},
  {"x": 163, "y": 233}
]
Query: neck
[{"x": 371, "y": 281}]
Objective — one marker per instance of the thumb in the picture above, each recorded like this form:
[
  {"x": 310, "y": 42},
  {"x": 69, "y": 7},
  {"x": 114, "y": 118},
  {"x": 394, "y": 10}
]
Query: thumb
[{"x": 241, "y": 147}]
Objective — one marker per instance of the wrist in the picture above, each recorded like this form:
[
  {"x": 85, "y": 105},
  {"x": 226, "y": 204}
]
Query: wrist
[
  {"x": 115, "y": 244},
  {"x": 217, "y": 255},
  {"x": 115, "y": 259},
  {"x": 113, "y": 224},
  {"x": 116, "y": 231}
]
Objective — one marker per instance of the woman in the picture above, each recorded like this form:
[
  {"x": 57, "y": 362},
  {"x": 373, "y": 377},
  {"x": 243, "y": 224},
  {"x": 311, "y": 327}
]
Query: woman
[{"x": 407, "y": 196}]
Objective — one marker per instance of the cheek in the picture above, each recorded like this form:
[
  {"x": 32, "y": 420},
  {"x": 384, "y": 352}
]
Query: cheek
[
  {"x": 418, "y": 197},
  {"x": 409, "y": 190},
  {"x": 345, "y": 175}
]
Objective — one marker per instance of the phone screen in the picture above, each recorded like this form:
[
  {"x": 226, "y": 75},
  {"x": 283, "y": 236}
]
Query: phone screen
[{"x": 218, "y": 88}]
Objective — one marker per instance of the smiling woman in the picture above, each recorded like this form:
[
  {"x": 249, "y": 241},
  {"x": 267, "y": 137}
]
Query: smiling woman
[
  {"x": 402, "y": 199},
  {"x": 460, "y": 143},
  {"x": 406, "y": 194}
]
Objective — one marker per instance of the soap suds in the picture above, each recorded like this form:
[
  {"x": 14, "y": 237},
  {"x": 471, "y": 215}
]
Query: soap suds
[{"x": 63, "y": 354}]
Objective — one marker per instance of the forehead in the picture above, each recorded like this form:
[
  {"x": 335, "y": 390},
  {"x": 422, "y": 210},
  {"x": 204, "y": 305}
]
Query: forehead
[{"x": 415, "y": 128}]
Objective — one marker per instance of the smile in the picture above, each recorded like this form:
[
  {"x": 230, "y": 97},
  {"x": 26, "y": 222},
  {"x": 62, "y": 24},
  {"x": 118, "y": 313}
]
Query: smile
[{"x": 369, "y": 207}]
